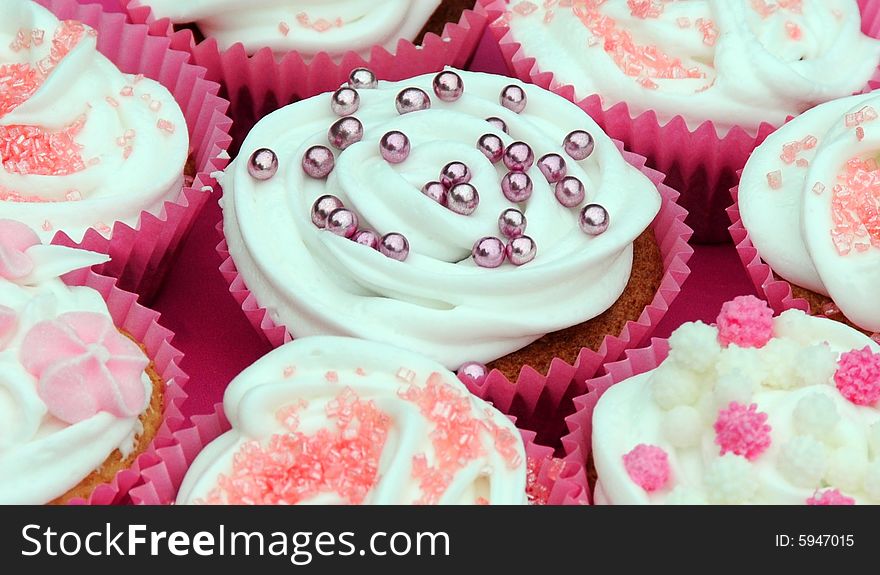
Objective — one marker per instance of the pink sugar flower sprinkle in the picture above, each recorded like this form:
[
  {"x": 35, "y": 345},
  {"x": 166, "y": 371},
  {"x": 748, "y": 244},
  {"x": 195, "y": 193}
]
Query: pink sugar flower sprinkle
[
  {"x": 745, "y": 321},
  {"x": 647, "y": 466},
  {"x": 774, "y": 179},
  {"x": 830, "y": 497},
  {"x": 858, "y": 376},
  {"x": 742, "y": 430}
]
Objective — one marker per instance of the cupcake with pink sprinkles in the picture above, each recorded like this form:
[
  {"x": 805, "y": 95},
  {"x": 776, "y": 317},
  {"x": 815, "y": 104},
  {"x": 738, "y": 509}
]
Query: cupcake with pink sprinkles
[
  {"x": 752, "y": 410},
  {"x": 327, "y": 420}
]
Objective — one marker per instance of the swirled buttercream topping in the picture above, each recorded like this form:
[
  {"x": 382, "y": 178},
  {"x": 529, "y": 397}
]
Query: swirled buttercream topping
[
  {"x": 305, "y": 26},
  {"x": 82, "y": 145},
  {"x": 810, "y": 199},
  {"x": 472, "y": 238},
  {"x": 731, "y": 62},
  {"x": 335, "y": 420}
]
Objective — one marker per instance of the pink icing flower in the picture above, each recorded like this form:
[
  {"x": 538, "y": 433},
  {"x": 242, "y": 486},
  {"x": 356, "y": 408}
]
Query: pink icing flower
[
  {"x": 15, "y": 239},
  {"x": 85, "y": 366},
  {"x": 745, "y": 321},
  {"x": 742, "y": 430},
  {"x": 8, "y": 321},
  {"x": 647, "y": 466},
  {"x": 830, "y": 497},
  {"x": 858, "y": 376}
]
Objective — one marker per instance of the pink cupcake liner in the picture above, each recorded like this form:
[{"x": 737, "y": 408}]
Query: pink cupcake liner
[
  {"x": 699, "y": 163},
  {"x": 551, "y": 480},
  {"x": 577, "y": 444},
  {"x": 141, "y": 255},
  {"x": 776, "y": 291},
  {"x": 259, "y": 84},
  {"x": 538, "y": 400},
  {"x": 143, "y": 325}
]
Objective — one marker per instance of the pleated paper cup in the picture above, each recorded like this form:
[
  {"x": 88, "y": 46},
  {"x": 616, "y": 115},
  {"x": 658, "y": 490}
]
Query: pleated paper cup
[
  {"x": 141, "y": 255},
  {"x": 142, "y": 324}
]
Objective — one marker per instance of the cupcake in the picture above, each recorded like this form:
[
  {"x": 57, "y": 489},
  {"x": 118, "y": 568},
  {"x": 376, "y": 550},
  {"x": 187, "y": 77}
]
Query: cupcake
[
  {"x": 100, "y": 158},
  {"x": 382, "y": 426},
  {"x": 83, "y": 145},
  {"x": 307, "y": 27},
  {"x": 808, "y": 199},
  {"x": 458, "y": 215},
  {"x": 754, "y": 410},
  {"x": 81, "y": 398},
  {"x": 692, "y": 85}
]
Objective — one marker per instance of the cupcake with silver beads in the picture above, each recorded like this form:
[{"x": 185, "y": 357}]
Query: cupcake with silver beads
[{"x": 472, "y": 219}]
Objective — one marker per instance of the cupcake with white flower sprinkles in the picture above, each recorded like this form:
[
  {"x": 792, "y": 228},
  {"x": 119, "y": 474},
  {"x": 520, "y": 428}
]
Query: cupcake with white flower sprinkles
[
  {"x": 752, "y": 410},
  {"x": 457, "y": 215}
]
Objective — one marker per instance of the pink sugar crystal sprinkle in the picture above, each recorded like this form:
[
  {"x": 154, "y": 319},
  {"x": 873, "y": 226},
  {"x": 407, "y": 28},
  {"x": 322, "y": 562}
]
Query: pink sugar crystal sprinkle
[
  {"x": 456, "y": 438},
  {"x": 647, "y": 466},
  {"x": 830, "y": 497},
  {"x": 31, "y": 149},
  {"x": 18, "y": 82},
  {"x": 537, "y": 492},
  {"x": 774, "y": 179},
  {"x": 295, "y": 467},
  {"x": 742, "y": 430},
  {"x": 855, "y": 207},
  {"x": 34, "y": 150},
  {"x": 647, "y": 62},
  {"x": 745, "y": 321},
  {"x": 794, "y": 31},
  {"x": 858, "y": 376}
]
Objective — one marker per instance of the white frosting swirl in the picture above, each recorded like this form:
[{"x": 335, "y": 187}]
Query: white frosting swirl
[
  {"x": 438, "y": 302},
  {"x": 41, "y": 457},
  {"x": 797, "y": 212},
  {"x": 131, "y": 146},
  {"x": 819, "y": 440},
  {"x": 732, "y": 62},
  {"x": 305, "y": 26},
  {"x": 311, "y": 374}
]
